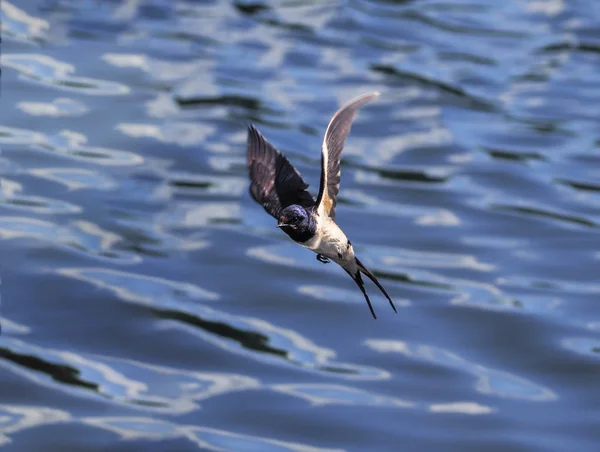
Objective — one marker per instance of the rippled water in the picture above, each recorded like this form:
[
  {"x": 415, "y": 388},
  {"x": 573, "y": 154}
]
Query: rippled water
[{"x": 149, "y": 304}]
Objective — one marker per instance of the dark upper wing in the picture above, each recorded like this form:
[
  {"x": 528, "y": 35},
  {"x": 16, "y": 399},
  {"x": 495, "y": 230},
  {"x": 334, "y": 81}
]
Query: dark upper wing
[
  {"x": 335, "y": 137},
  {"x": 274, "y": 182}
]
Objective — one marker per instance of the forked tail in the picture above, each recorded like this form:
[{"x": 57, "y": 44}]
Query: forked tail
[
  {"x": 372, "y": 277},
  {"x": 360, "y": 283}
]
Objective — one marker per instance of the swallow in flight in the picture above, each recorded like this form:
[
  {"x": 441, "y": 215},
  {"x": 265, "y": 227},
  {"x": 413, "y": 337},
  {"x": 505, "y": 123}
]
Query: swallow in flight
[{"x": 279, "y": 188}]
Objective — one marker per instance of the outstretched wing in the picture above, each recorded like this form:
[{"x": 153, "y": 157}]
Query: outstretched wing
[
  {"x": 335, "y": 137},
  {"x": 274, "y": 182}
]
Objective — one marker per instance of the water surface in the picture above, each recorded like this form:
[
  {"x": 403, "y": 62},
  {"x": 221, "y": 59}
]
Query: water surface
[{"x": 149, "y": 304}]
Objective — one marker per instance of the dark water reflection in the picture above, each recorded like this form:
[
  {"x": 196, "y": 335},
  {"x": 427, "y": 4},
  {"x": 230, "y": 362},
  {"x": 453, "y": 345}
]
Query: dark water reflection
[{"x": 147, "y": 302}]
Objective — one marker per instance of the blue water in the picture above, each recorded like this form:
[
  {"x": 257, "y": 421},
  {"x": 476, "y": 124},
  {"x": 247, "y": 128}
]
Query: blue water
[{"x": 149, "y": 304}]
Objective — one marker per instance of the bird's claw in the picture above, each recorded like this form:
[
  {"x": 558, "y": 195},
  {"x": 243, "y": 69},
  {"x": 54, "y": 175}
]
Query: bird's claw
[{"x": 322, "y": 259}]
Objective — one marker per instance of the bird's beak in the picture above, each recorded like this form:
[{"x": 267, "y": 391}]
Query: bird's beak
[
  {"x": 282, "y": 222},
  {"x": 281, "y": 225}
]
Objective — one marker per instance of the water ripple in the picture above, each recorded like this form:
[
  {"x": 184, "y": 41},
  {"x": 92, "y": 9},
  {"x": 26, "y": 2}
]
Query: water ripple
[
  {"x": 471, "y": 408},
  {"x": 60, "y": 107},
  {"x": 203, "y": 437},
  {"x": 140, "y": 385},
  {"x": 589, "y": 347},
  {"x": 549, "y": 285},
  {"x": 164, "y": 71},
  {"x": 48, "y": 71},
  {"x": 326, "y": 394},
  {"x": 219, "y": 440},
  {"x": 16, "y": 418},
  {"x": 10, "y": 198},
  {"x": 336, "y": 295},
  {"x": 140, "y": 289},
  {"x": 135, "y": 262},
  {"x": 183, "y": 134},
  {"x": 489, "y": 381},
  {"x": 560, "y": 218},
  {"x": 473, "y": 101},
  {"x": 403, "y": 257},
  {"x": 16, "y": 23},
  {"x": 74, "y": 145},
  {"x": 319, "y": 395},
  {"x": 12, "y": 328},
  {"x": 69, "y": 144},
  {"x": 76, "y": 179},
  {"x": 193, "y": 183},
  {"x": 194, "y": 215},
  {"x": 14, "y": 136},
  {"x": 258, "y": 339},
  {"x": 84, "y": 237}
]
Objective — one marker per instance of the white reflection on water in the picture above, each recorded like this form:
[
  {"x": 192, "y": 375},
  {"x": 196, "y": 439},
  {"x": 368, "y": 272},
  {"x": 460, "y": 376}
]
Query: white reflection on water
[
  {"x": 160, "y": 70},
  {"x": 549, "y": 286},
  {"x": 75, "y": 178},
  {"x": 461, "y": 408},
  {"x": 18, "y": 24},
  {"x": 57, "y": 74},
  {"x": 69, "y": 144},
  {"x": 329, "y": 394},
  {"x": 59, "y": 107},
  {"x": 222, "y": 440},
  {"x": 16, "y": 418},
  {"x": 258, "y": 339},
  {"x": 10, "y": 197},
  {"x": 74, "y": 145},
  {"x": 585, "y": 346},
  {"x": 489, "y": 381},
  {"x": 136, "y": 384},
  {"x": 140, "y": 289},
  {"x": 421, "y": 215},
  {"x": 391, "y": 256},
  {"x": 388, "y": 148},
  {"x": 25, "y": 227},
  {"x": 162, "y": 106},
  {"x": 131, "y": 428},
  {"x": 193, "y": 215},
  {"x": 440, "y": 217},
  {"x": 546, "y": 7},
  {"x": 269, "y": 254},
  {"x": 335, "y": 294},
  {"x": 81, "y": 236},
  {"x": 17, "y": 137},
  {"x": 12, "y": 328},
  {"x": 298, "y": 351},
  {"x": 182, "y": 133}
]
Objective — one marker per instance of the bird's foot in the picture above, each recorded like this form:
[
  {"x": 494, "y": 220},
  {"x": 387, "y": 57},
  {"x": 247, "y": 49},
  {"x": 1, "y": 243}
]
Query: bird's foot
[{"x": 322, "y": 259}]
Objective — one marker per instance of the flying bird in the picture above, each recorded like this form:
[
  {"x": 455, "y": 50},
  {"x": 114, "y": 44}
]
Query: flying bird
[{"x": 279, "y": 188}]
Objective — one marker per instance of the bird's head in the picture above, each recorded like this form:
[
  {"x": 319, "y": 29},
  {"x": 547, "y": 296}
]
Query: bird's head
[
  {"x": 292, "y": 217},
  {"x": 296, "y": 222}
]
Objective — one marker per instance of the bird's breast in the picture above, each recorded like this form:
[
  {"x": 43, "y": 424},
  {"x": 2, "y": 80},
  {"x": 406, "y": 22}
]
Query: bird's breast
[{"x": 331, "y": 242}]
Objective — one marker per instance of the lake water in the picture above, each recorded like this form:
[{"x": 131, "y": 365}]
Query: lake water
[{"x": 148, "y": 303}]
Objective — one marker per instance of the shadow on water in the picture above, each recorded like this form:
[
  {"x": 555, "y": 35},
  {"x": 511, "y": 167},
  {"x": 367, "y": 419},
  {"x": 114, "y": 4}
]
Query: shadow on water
[
  {"x": 247, "y": 339},
  {"x": 60, "y": 373}
]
